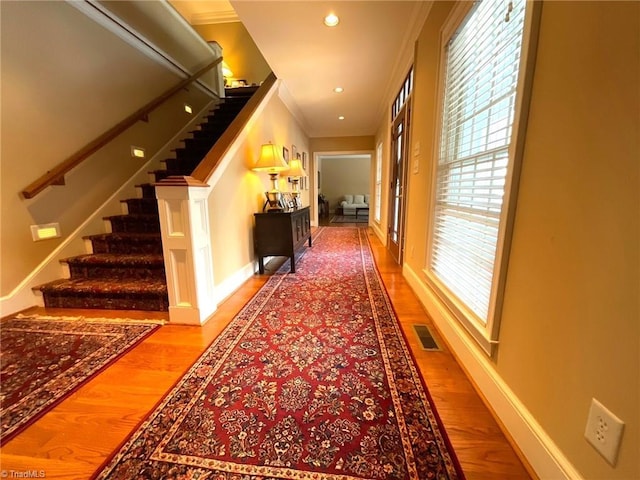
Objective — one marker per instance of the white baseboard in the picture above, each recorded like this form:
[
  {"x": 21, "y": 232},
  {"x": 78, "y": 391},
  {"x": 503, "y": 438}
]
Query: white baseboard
[
  {"x": 544, "y": 456},
  {"x": 226, "y": 288}
]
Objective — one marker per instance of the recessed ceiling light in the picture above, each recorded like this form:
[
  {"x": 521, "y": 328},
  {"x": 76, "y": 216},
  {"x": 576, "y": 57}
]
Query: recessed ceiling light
[
  {"x": 331, "y": 20},
  {"x": 341, "y": 117},
  {"x": 338, "y": 89}
]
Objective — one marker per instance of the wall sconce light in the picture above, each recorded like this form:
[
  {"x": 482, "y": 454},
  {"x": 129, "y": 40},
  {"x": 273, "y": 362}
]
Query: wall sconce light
[
  {"x": 45, "y": 232},
  {"x": 272, "y": 162},
  {"x": 137, "y": 152},
  {"x": 296, "y": 172}
]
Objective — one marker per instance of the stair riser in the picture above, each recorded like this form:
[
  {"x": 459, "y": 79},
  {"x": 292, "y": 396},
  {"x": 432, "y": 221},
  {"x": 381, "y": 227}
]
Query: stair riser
[
  {"x": 177, "y": 164},
  {"x": 219, "y": 119},
  {"x": 141, "y": 206},
  {"x": 116, "y": 272},
  {"x": 107, "y": 303},
  {"x": 202, "y": 142},
  {"x": 132, "y": 225},
  {"x": 108, "y": 246},
  {"x": 191, "y": 157},
  {"x": 212, "y": 130},
  {"x": 160, "y": 175},
  {"x": 205, "y": 136},
  {"x": 147, "y": 191}
]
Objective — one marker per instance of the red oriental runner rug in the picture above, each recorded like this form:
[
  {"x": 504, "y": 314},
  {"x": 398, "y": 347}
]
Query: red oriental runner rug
[
  {"x": 312, "y": 380},
  {"x": 45, "y": 359}
]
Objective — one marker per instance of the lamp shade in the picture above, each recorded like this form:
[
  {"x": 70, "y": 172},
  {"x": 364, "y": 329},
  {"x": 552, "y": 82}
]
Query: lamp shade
[
  {"x": 226, "y": 71},
  {"x": 271, "y": 159},
  {"x": 295, "y": 169}
]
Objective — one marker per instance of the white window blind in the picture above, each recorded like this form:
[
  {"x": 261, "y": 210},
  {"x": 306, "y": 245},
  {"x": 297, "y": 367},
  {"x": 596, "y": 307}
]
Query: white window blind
[{"x": 482, "y": 63}]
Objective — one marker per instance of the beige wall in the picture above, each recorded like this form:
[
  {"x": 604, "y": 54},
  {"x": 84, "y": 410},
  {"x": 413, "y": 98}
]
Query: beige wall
[
  {"x": 238, "y": 50},
  {"x": 571, "y": 321},
  {"x": 342, "y": 144},
  {"x": 58, "y": 95},
  {"x": 240, "y": 192},
  {"x": 344, "y": 176}
]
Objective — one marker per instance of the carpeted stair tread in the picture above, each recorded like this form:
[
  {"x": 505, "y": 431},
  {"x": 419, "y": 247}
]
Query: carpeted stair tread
[
  {"x": 140, "y": 217},
  {"x": 126, "y": 236},
  {"x": 127, "y": 259},
  {"x": 123, "y": 242},
  {"x": 134, "y": 223},
  {"x": 145, "y": 205},
  {"x": 122, "y": 266},
  {"x": 111, "y": 295},
  {"x": 95, "y": 287}
]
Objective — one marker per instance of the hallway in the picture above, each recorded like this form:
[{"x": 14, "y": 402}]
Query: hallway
[{"x": 74, "y": 439}]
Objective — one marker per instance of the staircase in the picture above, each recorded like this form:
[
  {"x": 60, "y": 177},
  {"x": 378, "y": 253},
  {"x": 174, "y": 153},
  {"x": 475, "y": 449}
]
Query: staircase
[{"x": 125, "y": 269}]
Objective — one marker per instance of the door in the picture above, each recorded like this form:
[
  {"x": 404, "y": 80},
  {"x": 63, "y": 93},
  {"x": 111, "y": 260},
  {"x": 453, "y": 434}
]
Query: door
[{"x": 399, "y": 142}]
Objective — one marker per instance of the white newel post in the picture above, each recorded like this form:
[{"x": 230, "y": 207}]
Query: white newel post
[{"x": 186, "y": 245}]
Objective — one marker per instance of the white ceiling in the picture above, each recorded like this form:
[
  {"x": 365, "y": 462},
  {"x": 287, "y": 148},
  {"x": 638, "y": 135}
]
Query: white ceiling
[{"x": 361, "y": 54}]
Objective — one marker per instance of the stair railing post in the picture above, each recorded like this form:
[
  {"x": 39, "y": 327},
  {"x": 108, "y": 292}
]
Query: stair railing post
[{"x": 186, "y": 246}]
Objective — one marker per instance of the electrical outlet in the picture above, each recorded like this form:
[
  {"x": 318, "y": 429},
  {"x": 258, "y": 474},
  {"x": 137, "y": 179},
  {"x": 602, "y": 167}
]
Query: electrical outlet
[{"x": 604, "y": 431}]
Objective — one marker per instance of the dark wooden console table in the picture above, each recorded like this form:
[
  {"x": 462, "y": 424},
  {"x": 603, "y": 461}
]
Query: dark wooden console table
[{"x": 281, "y": 234}]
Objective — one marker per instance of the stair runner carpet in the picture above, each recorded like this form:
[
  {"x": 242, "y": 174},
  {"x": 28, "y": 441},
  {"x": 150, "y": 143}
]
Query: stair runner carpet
[{"x": 125, "y": 269}]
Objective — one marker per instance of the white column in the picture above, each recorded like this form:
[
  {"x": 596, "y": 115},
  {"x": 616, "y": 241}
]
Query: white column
[{"x": 186, "y": 245}]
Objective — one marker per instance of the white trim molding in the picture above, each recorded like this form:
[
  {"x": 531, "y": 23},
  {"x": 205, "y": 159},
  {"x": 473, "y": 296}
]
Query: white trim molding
[
  {"x": 544, "y": 456},
  {"x": 186, "y": 247},
  {"x": 233, "y": 282}
]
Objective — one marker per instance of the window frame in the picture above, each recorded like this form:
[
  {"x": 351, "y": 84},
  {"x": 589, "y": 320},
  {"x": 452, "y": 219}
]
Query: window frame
[
  {"x": 486, "y": 334},
  {"x": 378, "y": 184}
]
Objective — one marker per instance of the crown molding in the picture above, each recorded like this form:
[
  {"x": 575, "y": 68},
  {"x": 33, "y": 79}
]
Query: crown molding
[{"x": 225, "y": 16}]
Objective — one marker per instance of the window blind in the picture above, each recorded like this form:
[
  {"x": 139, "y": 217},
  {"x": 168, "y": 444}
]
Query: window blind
[{"x": 482, "y": 63}]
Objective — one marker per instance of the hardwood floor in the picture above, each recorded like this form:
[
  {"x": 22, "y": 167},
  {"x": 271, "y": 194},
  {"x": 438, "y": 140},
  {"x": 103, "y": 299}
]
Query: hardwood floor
[{"x": 73, "y": 439}]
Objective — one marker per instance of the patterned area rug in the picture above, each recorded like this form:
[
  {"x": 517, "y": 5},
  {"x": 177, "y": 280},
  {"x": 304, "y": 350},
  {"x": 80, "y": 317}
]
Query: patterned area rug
[
  {"x": 313, "y": 379},
  {"x": 350, "y": 219},
  {"x": 44, "y": 359}
]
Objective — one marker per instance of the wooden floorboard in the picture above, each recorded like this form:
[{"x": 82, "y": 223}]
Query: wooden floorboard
[{"x": 73, "y": 439}]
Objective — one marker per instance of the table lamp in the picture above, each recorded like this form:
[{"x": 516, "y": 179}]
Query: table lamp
[
  {"x": 296, "y": 172},
  {"x": 272, "y": 162}
]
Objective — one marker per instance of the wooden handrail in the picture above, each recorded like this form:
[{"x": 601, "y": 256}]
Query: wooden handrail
[
  {"x": 205, "y": 169},
  {"x": 56, "y": 175}
]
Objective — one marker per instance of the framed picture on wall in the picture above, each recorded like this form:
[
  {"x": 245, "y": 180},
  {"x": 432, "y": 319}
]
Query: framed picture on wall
[
  {"x": 285, "y": 154},
  {"x": 304, "y": 160},
  {"x": 294, "y": 151}
]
